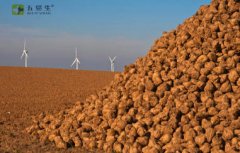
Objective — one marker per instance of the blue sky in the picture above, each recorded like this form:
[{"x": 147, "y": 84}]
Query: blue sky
[{"x": 98, "y": 28}]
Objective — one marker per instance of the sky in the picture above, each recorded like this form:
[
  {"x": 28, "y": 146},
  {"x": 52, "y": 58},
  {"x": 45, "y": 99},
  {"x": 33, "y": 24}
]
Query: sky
[{"x": 98, "y": 28}]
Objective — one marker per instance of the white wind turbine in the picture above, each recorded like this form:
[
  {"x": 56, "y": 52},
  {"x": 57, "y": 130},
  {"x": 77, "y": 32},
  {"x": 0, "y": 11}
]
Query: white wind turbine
[
  {"x": 76, "y": 60},
  {"x": 25, "y": 53},
  {"x": 112, "y": 63}
]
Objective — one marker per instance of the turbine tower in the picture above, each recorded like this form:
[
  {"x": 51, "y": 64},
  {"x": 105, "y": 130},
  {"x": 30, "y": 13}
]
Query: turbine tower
[
  {"x": 25, "y": 53},
  {"x": 112, "y": 63},
  {"x": 76, "y": 61}
]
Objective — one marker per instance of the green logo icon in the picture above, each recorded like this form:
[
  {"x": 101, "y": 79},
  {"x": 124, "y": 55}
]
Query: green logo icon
[{"x": 17, "y": 9}]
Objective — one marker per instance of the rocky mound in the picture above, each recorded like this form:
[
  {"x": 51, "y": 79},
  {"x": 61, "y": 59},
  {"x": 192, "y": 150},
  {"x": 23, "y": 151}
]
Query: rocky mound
[{"x": 183, "y": 96}]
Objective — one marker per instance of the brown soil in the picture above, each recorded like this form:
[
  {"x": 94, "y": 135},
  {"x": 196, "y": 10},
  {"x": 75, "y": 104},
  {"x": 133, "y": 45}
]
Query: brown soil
[{"x": 26, "y": 92}]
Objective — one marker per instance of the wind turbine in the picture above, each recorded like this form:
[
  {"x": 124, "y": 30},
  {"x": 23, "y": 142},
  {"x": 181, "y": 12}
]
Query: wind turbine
[
  {"x": 112, "y": 63},
  {"x": 76, "y": 60},
  {"x": 25, "y": 53}
]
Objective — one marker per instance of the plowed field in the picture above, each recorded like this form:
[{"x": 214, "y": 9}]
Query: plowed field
[{"x": 25, "y": 92}]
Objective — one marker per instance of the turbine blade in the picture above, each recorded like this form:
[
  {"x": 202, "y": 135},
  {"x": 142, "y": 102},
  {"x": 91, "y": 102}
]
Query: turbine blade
[
  {"x": 75, "y": 52},
  {"x": 24, "y": 44},
  {"x": 114, "y": 58},
  {"x": 22, "y": 55},
  {"x": 73, "y": 62}
]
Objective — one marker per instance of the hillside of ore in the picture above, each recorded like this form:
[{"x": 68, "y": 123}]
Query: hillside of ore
[{"x": 183, "y": 96}]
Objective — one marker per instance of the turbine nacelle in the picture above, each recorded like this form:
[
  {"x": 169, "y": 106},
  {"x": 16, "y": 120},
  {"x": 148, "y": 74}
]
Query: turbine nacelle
[
  {"x": 25, "y": 53},
  {"x": 76, "y": 61},
  {"x": 112, "y": 60}
]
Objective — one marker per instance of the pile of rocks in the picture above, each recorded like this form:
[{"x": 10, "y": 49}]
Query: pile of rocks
[{"x": 183, "y": 96}]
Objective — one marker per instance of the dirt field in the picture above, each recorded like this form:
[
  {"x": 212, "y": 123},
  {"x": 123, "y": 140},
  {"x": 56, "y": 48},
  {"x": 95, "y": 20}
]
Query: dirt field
[{"x": 25, "y": 92}]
